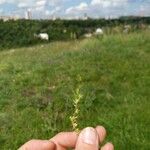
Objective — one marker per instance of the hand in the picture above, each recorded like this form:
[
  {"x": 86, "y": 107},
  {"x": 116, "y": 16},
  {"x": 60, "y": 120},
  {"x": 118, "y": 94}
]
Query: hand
[{"x": 88, "y": 139}]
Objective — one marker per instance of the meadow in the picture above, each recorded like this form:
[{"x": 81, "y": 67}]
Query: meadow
[{"x": 38, "y": 86}]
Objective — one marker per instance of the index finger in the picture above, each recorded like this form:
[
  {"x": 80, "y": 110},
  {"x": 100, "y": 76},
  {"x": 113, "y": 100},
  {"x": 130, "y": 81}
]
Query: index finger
[{"x": 65, "y": 139}]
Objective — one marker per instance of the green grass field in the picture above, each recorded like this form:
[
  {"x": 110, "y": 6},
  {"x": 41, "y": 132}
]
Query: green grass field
[{"x": 38, "y": 86}]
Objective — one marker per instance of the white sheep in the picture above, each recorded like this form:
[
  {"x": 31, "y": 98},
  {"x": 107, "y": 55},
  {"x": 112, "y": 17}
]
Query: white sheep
[
  {"x": 88, "y": 35},
  {"x": 42, "y": 36},
  {"x": 99, "y": 31}
]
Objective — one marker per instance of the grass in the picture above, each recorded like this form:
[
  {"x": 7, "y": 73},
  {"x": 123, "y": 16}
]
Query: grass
[{"x": 39, "y": 85}]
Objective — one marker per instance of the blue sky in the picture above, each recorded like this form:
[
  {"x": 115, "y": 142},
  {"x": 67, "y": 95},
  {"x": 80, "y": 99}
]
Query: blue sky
[{"x": 75, "y": 8}]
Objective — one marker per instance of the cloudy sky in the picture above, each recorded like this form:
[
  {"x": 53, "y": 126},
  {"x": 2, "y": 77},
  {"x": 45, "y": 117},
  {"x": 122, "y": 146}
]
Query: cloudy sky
[{"x": 75, "y": 8}]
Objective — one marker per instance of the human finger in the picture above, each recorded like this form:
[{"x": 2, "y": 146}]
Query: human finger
[
  {"x": 38, "y": 145},
  {"x": 65, "y": 139},
  {"x": 101, "y": 133},
  {"x": 108, "y": 146}
]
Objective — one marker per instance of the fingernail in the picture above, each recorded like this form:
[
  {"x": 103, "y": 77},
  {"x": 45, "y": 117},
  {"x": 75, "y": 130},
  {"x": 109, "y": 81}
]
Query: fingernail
[{"x": 89, "y": 136}]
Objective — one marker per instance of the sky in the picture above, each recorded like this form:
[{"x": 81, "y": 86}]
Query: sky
[{"x": 75, "y": 8}]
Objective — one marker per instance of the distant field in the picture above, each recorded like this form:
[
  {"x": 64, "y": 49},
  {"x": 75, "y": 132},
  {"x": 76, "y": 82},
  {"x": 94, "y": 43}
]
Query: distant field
[{"x": 38, "y": 84}]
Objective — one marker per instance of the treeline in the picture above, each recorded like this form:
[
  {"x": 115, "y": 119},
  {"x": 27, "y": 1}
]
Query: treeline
[{"x": 21, "y": 32}]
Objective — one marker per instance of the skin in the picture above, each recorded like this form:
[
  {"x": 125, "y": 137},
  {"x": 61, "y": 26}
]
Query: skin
[{"x": 65, "y": 140}]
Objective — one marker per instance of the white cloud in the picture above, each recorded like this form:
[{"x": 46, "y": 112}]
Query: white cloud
[
  {"x": 2, "y": 1},
  {"x": 22, "y": 4},
  {"x": 108, "y": 3},
  {"x": 144, "y": 10},
  {"x": 98, "y": 8},
  {"x": 56, "y": 2},
  {"x": 37, "y": 5},
  {"x": 41, "y": 3},
  {"x": 54, "y": 11},
  {"x": 39, "y": 8},
  {"x": 15, "y": 1},
  {"x": 100, "y": 2},
  {"x": 80, "y": 8}
]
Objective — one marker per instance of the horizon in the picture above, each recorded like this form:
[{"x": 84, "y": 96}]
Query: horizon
[{"x": 5, "y": 18}]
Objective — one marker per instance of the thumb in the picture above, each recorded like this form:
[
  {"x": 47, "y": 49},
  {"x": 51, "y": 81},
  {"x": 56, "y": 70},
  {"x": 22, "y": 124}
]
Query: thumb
[{"x": 87, "y": 140}]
